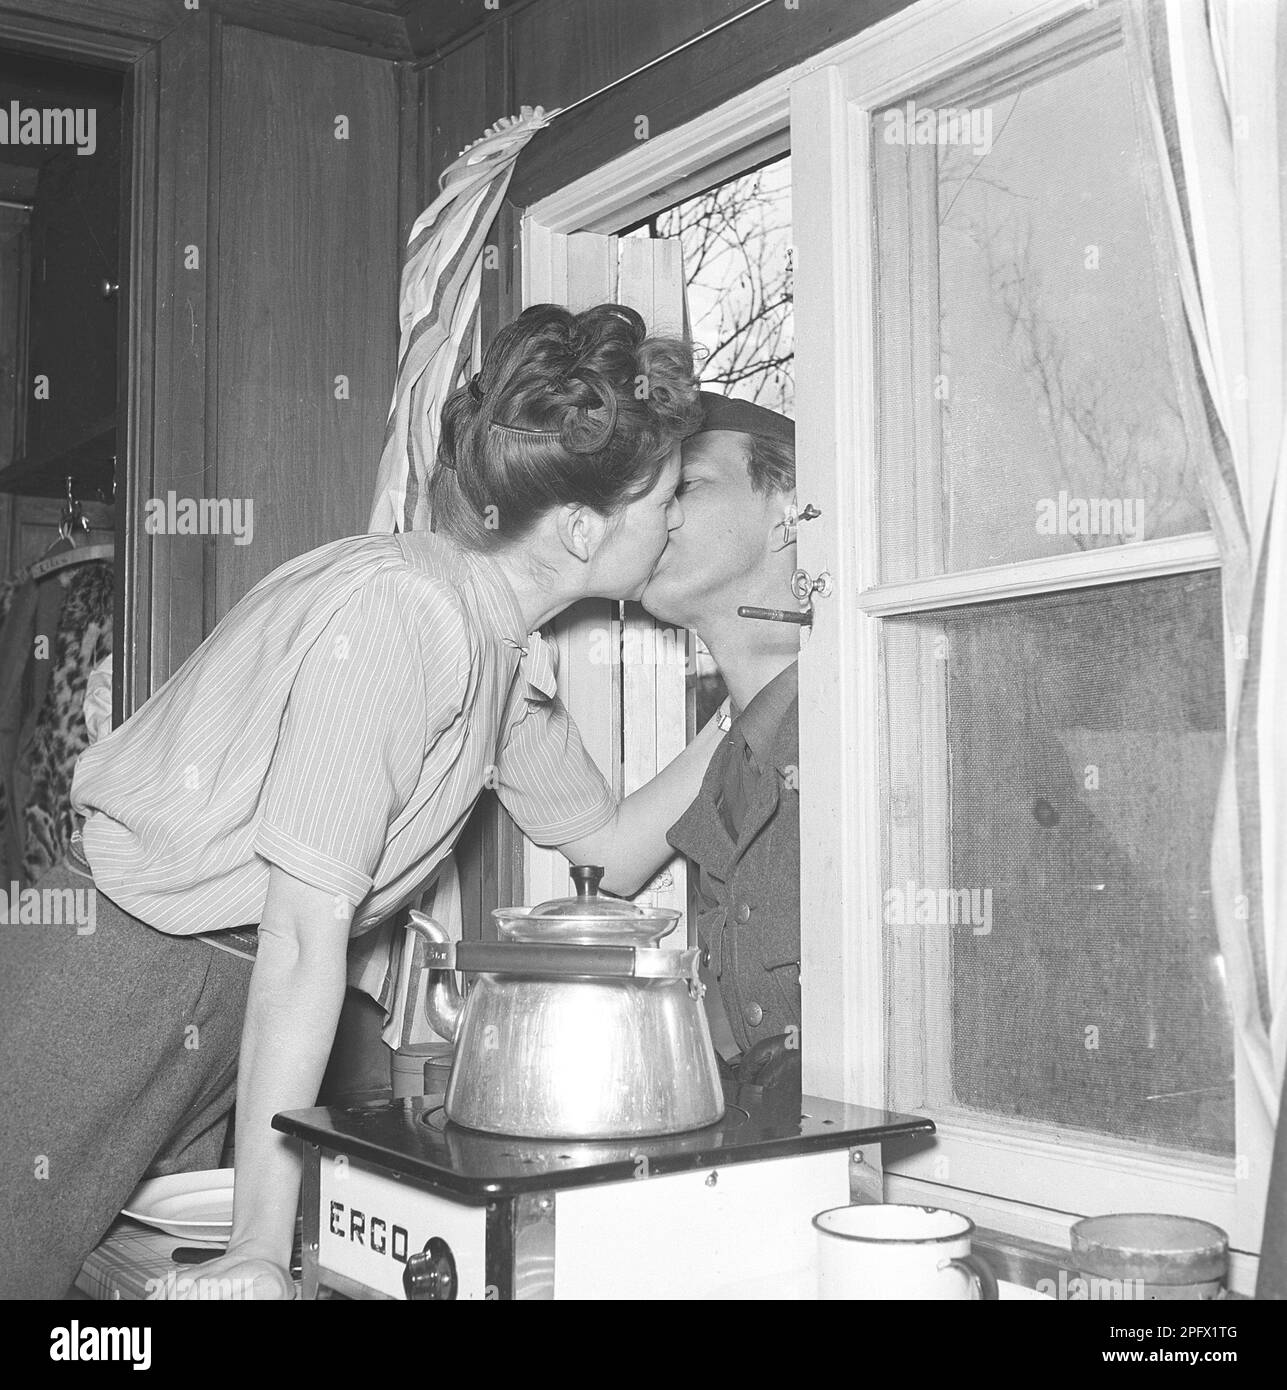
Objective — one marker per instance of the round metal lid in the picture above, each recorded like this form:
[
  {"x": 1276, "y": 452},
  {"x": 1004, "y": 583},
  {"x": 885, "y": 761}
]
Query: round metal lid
[
  {"x": 590, "y": 917},
  {"x": 589, "y": 902}
]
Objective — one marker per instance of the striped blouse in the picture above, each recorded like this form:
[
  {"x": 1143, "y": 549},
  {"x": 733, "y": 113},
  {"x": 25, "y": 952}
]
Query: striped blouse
[{"x": 340, "y": 722}]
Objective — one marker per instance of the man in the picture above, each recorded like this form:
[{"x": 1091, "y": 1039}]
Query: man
[{"x": 736, "y": 546}]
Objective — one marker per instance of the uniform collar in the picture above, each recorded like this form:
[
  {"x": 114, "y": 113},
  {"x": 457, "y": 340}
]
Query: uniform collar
[{"x": 758, "y": 722}]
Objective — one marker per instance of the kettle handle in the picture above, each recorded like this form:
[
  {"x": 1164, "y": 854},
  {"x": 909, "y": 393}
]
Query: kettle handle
[{"x": 443, "y": 999}]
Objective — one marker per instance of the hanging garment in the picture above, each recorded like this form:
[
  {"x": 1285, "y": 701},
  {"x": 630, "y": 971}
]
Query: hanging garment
[
  {"x": 52, "y": 631},
  {"x": 98, "y": 701},
  {"x": 59, "y": 735},
  {"x": 18, "y": 673}
]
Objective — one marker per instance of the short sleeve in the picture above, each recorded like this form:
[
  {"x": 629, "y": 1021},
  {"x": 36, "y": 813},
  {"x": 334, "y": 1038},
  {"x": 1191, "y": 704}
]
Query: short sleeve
[
  {"x": 370, "y": 696},
  {"x": 548, "y": 782}
]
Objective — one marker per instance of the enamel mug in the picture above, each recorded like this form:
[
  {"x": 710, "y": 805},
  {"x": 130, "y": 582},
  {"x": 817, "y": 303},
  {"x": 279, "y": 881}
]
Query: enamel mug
[{"x": 895, "y": 1251}]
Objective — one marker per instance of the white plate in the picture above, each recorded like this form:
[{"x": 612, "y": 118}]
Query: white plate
[
  {"x": 193, "y": 1206},
  {"x": 1018, "y": 1293}
]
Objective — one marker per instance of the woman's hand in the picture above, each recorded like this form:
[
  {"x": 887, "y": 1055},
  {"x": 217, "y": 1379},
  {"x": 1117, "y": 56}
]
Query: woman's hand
[{"x": 231, "y": 1276}]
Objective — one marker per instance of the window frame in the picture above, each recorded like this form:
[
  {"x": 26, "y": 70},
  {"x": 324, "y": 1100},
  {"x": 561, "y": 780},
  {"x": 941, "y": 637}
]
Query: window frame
[
  {"x": 842, "y": 861},
  {"x": 906, "y": 249}
]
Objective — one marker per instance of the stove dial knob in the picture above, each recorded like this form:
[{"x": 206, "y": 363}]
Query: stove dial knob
[{"x": 430, "y": 1276}]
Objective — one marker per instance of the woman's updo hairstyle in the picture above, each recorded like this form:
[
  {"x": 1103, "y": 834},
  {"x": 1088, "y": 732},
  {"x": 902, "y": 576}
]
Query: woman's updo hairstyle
[{"x": 581, "y": 409}]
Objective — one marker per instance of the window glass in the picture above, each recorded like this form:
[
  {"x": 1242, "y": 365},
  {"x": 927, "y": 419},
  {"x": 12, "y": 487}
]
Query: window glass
[
  {"x": 1029, "y": 406},
  {"x": 1052, "y": 935},
  {"x": 738, "y": 272}
]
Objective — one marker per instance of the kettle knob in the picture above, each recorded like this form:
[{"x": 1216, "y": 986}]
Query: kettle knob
[
  {"x": 587, "y": 878},
  {"x": 430, "y": 1275}
]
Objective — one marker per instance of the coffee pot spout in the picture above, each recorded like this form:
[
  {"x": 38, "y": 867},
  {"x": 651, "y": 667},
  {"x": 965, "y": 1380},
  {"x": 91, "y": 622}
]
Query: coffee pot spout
[{"x": 443, "y": 998}]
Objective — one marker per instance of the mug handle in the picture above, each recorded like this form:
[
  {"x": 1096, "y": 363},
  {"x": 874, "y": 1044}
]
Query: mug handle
[{"x": 977, "y": 1266}]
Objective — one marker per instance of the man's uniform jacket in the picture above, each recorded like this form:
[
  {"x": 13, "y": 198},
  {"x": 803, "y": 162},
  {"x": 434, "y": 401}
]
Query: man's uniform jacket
[{"x": 748, "y": 890}]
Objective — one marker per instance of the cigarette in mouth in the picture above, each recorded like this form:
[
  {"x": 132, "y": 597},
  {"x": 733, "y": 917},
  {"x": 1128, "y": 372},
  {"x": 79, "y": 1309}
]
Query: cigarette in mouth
[{"x": 774, "y": 615}]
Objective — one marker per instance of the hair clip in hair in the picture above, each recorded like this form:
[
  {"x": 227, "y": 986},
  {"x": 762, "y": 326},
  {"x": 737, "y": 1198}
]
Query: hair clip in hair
[
  {"x": 525, "y": 434},
  {"x": 475, "y": 390}
]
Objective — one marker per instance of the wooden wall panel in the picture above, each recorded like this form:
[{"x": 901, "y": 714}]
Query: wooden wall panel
[
  {"x": 456, "y": 109},
  {"x": 15, "y": 273},
  {"x": 412, "y": 150},
  {"x": 308, "y": 273},
  {"x": 63, "y": 25},
  {"x": 376, "y": 29},
  {"x": 171, "y": 426},
  {"x": 332, "y": 23},
  {"x": 564, "y": 49},
  {"x": 435, "y": 25}
]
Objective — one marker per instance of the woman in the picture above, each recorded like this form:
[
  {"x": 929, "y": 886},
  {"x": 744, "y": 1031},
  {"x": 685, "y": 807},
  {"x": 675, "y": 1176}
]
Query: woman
[{"x": 308, "y": 768}]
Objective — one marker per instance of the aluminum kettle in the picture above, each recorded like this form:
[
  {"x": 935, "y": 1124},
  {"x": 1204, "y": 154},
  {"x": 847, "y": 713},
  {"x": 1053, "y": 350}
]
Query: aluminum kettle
[{"x": 578, "y": 1025}]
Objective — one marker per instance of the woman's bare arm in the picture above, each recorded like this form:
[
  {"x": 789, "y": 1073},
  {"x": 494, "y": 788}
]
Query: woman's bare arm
[
  {"x": 291, "y": 1015},
  {"x": 632, "y": 846}
]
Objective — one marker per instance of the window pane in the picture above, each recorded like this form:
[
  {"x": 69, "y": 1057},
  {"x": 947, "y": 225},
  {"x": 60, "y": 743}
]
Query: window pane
[
  {"x": 737, "y": 264},
  {"x": 1028, "y": 401},
  {"x": 1079, "y": 981}
]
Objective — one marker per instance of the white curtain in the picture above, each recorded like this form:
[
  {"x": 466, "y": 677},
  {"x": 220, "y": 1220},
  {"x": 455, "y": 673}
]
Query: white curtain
[
  {"x": 438, "y": 313},
  {"x": 1211, "y": 82}
]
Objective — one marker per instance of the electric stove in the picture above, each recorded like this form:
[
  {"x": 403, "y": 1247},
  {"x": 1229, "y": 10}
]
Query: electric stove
[{"x": 398, "y": 1202}]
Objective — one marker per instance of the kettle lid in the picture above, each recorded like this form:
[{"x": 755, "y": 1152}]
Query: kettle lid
[
  {"x": 591, "y": 918},
  {"x": 589, "y": 902}
]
